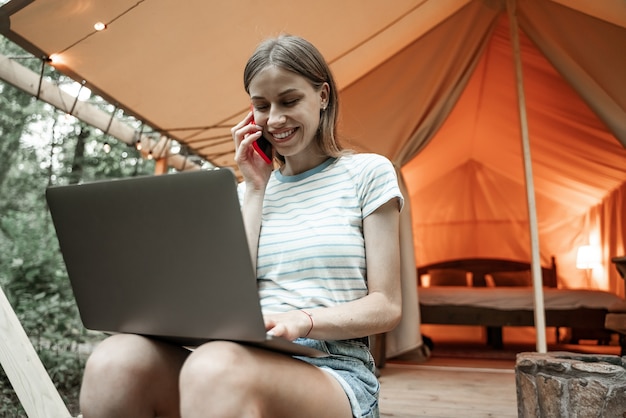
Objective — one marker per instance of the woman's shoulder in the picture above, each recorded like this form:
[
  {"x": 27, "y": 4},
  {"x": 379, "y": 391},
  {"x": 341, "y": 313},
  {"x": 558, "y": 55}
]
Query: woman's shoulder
[
  {"x": 364, "y": 162},
  {"x": 359, "y": 158}
]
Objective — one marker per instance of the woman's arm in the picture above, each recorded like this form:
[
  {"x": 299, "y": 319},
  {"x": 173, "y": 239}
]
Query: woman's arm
[
  {"x": 379, "y": 311},
  {"x": 251, "y": 211},
  {"x": 256, "y": 174}
]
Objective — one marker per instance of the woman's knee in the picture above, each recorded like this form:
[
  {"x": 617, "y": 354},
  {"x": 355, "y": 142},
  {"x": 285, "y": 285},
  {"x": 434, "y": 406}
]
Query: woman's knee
[
  {"x": 130, "y": 355},
  {"x": 133, "y": 374},
  {"x": 219, "y": 363},
  {"x": 223, "y": 376},
  {"x": 114, "y": 353}
]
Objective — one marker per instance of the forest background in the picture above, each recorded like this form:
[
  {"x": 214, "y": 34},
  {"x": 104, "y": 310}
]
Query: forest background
[{"x": 42, "y": 147}]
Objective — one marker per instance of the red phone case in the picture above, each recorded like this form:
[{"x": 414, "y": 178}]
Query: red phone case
[{"x": 258, "y": 148}]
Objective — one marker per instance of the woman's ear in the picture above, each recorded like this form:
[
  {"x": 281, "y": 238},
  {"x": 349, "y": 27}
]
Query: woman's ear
[{"x": 324, "y": 96}]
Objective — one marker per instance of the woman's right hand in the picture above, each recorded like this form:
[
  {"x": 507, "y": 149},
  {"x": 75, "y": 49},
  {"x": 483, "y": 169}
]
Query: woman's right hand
[
  {"x": 289, "y": 325},
  {"x": 254, "y": 169}
]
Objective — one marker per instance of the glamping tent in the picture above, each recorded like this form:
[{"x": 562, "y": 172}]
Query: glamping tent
[
  {"x": 462, "y": 159},
  {"x": 431, "y": 84}
]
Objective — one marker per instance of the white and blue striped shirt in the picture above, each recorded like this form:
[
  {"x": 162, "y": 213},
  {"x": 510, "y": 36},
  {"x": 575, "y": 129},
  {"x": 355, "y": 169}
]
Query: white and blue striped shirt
[{"x": 311, "y": 246}]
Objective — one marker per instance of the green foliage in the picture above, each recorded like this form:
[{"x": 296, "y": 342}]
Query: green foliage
[
  {"x": 33, "y": 277},
  {"x": 32, "y": 272}
]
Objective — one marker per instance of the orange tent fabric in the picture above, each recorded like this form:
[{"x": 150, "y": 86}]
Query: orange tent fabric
[
  {"x": 466, "y": 181},
  {"x": 578, "y": 168},
  {"x": 483, "y": 192}
]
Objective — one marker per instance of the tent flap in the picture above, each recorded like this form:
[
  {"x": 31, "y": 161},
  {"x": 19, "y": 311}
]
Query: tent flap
[{"x": 578, "y": 47}]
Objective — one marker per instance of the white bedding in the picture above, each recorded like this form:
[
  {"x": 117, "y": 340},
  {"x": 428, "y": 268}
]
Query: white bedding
[{"x": 515, "y": 298}]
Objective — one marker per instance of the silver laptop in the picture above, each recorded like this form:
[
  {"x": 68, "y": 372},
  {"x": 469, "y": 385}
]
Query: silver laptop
[{"x": 163, "y": 256}]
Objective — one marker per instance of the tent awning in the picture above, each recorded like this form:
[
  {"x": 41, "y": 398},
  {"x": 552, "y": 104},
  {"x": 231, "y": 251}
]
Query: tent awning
[{"x": 179, "y": 69}]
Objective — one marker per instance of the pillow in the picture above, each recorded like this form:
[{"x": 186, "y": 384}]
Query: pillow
[
  {"x": 448, "y": 277},
  {"x": 511, "y": 278}
]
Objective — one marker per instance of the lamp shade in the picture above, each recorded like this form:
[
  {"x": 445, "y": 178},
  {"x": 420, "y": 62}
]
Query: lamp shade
[{"x": 587, "y": 257}]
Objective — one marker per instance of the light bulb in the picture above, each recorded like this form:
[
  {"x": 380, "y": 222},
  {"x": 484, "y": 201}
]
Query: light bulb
[{"x": 55, "y": 59}]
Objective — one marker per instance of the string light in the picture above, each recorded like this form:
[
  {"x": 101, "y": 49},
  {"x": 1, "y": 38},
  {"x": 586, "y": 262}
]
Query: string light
[
  {"x": 55, "y": 59},
  {"x": 96, "y": 25},
  {"x": 100, "y": 26},
  {"x": 106, "y": 147}
]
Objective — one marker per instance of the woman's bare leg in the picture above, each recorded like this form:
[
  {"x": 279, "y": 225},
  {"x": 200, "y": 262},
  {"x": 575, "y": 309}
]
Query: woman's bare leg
[
  {"x": 232, "y": 380},
  {"x": 132, "y": 376}
]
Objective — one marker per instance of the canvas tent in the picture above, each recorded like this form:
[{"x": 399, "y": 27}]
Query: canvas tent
[
  {"x": 467, "y": 185},
  {"x": 428, "y": 83}
]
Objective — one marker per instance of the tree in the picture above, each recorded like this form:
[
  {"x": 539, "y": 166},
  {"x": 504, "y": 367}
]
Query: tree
[
  {"x": 32, "y": 272},
  {"x": 18, "y": 110}
]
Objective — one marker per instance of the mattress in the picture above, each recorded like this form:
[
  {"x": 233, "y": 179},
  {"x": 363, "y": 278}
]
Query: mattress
[{"x": 515, "y": 298}]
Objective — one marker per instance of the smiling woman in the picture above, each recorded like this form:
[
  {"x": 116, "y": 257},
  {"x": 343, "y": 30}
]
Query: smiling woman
[
  {"x": 312, "y": 96},
  {"x": 322, "y": 226},
  {"x": 288, "y": 108}
]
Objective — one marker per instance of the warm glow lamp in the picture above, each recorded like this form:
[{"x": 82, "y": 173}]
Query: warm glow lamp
[{"x": 587, "y": 257}]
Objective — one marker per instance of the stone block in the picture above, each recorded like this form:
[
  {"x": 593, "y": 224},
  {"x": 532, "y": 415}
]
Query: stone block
[{"x": 570, "y": 385}]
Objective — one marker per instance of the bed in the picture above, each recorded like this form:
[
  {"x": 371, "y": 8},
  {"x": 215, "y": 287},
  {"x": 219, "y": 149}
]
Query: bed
[{"x": 497, "y": 292}]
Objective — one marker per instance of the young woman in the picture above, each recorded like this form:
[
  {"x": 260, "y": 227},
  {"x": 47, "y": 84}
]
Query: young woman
[{"x": 323, "y": 232}]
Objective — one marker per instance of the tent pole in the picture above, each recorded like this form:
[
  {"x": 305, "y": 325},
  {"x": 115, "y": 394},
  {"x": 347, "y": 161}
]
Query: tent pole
[
  {"x": 540, "y": 320},
  {"x": 46, "y": 91}
]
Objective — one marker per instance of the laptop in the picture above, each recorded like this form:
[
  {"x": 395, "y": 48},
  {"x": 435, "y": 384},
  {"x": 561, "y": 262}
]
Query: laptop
[{"x": 163, "y": 256}]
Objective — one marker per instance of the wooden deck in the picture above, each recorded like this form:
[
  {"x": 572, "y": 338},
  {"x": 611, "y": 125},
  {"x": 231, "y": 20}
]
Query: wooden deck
[
  {"x": 447, "y": 391},
  {"x": 460, "y": 381}
]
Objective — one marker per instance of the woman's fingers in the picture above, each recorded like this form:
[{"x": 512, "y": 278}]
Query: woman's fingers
[{"x": 242, "y": 129}]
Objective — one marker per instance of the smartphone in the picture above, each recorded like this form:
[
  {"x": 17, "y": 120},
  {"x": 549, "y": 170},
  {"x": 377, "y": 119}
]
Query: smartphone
[{"x": 262, "y": 146}]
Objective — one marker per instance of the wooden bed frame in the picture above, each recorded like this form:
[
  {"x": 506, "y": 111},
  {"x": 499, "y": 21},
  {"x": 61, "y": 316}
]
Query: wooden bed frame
[
  {"x": 585, "y": 323},
  {"x": 481, "y": 267}
]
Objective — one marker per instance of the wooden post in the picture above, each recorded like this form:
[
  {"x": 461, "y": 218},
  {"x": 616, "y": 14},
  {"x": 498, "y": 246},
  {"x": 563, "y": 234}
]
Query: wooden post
[
  {"x": 540, "y": 313},
  {"x": 46, "y": 91},
  {"x": 160, "y": 166},
  {"x": 27, "y": 375}
]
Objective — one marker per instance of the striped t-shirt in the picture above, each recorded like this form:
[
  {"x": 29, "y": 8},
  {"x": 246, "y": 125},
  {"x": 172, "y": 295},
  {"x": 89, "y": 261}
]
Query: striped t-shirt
[{"x": 311, "y": 246}]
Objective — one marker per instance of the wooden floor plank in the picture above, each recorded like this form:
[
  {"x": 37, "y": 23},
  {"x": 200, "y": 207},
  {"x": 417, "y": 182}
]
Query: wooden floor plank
[
  {"x": 461, "y": 379},
  {"x": 447, "y": 392}
]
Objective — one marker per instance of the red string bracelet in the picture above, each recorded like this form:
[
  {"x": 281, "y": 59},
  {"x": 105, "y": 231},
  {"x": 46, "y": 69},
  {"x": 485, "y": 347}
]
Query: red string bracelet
[{"x": 310, "y": 319}]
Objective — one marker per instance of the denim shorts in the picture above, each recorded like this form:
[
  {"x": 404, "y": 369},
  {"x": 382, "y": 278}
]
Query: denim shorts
[{"x": 352, "y": 364}]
